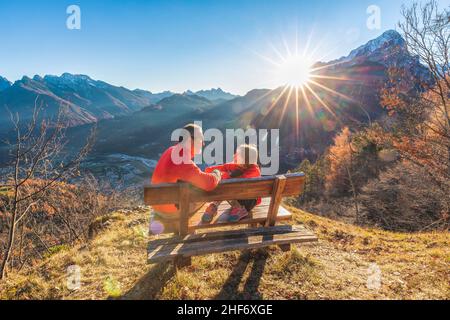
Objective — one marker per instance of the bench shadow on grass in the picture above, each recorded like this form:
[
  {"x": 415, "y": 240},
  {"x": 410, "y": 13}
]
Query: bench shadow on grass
[
  {"x": 150, "y": 285},
  {"x": 256, "y": 261}
]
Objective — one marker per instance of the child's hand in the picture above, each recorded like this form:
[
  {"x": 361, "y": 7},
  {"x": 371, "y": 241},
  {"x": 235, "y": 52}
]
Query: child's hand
[{"x": 236, "y": 173}]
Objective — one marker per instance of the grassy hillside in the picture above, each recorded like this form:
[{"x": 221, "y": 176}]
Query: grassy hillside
[{"x": 113, "y": 266}]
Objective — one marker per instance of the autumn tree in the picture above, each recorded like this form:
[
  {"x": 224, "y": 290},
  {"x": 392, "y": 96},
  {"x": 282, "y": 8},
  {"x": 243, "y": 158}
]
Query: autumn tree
[
  {"x": 354, "y": 159},
  {"x": 314, "y": 178},
  {"x": 422, "y": 134},
  {"x": 340, "y": 177},
  {"x": 39, "y": 161}
]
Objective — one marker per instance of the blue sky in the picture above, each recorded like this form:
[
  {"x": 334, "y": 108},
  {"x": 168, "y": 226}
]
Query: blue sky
[{"x": 179, "y": 45}]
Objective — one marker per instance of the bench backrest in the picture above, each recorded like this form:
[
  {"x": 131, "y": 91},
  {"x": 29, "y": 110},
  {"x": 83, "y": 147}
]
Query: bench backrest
[
  {"x": 182, "y": 194},
  {"x": 226, "y": 190}
]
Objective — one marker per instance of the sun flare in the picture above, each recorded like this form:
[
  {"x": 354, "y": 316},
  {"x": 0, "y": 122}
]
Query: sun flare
[
  {"x": 295, "y": 71},
  {"x": 300, "y": 78}
]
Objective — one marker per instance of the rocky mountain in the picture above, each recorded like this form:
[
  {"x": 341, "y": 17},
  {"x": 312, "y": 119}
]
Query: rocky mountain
[
  {"x": 345, "y": 93},
  {"x": 386, "y": 42},
  {"x": 153, "y": 97},
  {"x": 139, "y": 133},
  {"x": 389, "y": 50},
  {"x": 182, "y": 103},
  {"x": 4, "y": 83},
  {"x": 213, "y": 94},
  {"x": 85, "y": 99}
]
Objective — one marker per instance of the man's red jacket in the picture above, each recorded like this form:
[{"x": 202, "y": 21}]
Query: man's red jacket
[{"x": 166, "y": 171}]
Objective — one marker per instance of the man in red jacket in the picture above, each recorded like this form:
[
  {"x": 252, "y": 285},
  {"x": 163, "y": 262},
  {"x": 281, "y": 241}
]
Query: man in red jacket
[{"x": 174, "y": 166}]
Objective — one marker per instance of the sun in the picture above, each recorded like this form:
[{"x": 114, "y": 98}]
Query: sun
[
  {"x": 295, "y": 71},
  {"x": 301, "y": 79}
]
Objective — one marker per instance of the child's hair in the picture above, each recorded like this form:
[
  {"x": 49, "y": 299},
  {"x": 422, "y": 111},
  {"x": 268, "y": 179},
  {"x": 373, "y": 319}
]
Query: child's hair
[{"x": 250, "y": 153}]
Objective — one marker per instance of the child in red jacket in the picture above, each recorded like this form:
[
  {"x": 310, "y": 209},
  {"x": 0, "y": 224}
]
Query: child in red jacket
[{"x": 244, "y": 167}]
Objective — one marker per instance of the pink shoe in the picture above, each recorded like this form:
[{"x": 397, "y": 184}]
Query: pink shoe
[
  {"x": 237, "y": 214},
  {"x": 210, "y": 213}
]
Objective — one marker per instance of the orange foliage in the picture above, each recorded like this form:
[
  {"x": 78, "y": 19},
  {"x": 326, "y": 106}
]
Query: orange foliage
[
  {"x": 339, "y": 157},
  {"x": 423, "y": 137},
  {"x": 393, "y": 95}
]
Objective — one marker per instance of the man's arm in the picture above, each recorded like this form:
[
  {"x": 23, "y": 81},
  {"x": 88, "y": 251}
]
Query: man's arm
[{"x": 206, "y": 181}]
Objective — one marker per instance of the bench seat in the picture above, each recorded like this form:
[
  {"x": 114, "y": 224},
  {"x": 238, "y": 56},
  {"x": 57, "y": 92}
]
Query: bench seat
[
  {"x": 257, "y": 216},
  {"x": 162, "y": 250}
]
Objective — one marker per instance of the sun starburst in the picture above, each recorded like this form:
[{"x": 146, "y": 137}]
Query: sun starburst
[
  {"x": 303, "y": 81},
  {"x": 294, "y": 71}
]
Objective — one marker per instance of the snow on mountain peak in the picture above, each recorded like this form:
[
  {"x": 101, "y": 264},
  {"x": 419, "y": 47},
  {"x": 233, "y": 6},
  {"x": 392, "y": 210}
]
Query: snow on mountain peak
[
  {"x": 388, "y": 38},
  {"x": 212, "y": 94},
  {"x": 68, "y": 79}
]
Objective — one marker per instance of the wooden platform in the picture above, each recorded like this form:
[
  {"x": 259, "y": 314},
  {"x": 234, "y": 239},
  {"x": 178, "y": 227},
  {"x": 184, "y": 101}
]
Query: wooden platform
[
  {"x": 205, "y": 243},
  {"x": 257, "y": 216}
]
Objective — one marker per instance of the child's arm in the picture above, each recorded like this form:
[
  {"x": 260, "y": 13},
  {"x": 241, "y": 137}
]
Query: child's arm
[
  {"x": 222, "y": 168},
  {"x": 253, "y": 172},
  {"x": 211, "y": 169}
]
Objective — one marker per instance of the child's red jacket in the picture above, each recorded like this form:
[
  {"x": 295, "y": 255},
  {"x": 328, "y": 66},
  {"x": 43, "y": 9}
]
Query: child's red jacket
[{"x": 233, "y": 170}]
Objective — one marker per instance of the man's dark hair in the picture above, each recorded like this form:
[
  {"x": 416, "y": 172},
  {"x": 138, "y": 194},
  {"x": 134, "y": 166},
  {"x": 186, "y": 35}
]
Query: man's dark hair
[{"x": 190, "y": 127}]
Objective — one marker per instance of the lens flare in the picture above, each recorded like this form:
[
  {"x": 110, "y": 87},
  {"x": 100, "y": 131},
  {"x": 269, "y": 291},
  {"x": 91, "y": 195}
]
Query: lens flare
[
  {"x": 301, "y": 80},
  {"x": 156, "y": 228},
  {"x": 295, "y": 71}
]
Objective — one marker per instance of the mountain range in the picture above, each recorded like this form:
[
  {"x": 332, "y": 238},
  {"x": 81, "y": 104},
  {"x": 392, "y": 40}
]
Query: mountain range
[
  {"x": 4, "y": 83},
  {"x": 85, "y": 100},
  {"x": 344, "y": 92},
  {"x": 215, "y": 95}
]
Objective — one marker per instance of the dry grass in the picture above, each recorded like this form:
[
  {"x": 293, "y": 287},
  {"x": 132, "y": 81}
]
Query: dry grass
[{"x": 113, "y": 265}]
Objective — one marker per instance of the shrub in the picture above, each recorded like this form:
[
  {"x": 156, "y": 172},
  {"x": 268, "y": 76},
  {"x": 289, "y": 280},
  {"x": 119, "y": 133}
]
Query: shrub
[{"x": 403, "y": 198}]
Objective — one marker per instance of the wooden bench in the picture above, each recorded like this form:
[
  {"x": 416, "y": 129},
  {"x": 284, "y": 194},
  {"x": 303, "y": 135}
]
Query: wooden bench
[{"x": 186, "y": 243}]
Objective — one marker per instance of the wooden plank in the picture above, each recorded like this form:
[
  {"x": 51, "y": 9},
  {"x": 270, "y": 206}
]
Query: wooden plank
[
  {"x": 184, "y": 208},
  {"x": 217, "y": 235},
  {"x": 278, "y": 188},
  {"x": 197, "y": 249},
  {"x": 227, "y": 189},
  {"x": 189, "y": 249},
  {"x": 258, "y": 215},
  {"x": 224, "y": 205},
  {"x": 257, "y": 212},
  {"x": 226, "y": 243}
]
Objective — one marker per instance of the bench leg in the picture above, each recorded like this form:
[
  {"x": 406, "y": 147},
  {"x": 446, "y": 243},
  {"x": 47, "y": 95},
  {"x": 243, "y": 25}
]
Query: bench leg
[
  {"x": 285, "y": 247},
  {"x": 182, "y": 262}
]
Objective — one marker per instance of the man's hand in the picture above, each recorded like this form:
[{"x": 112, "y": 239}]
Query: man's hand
[{"x": 217, "y": 174}]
